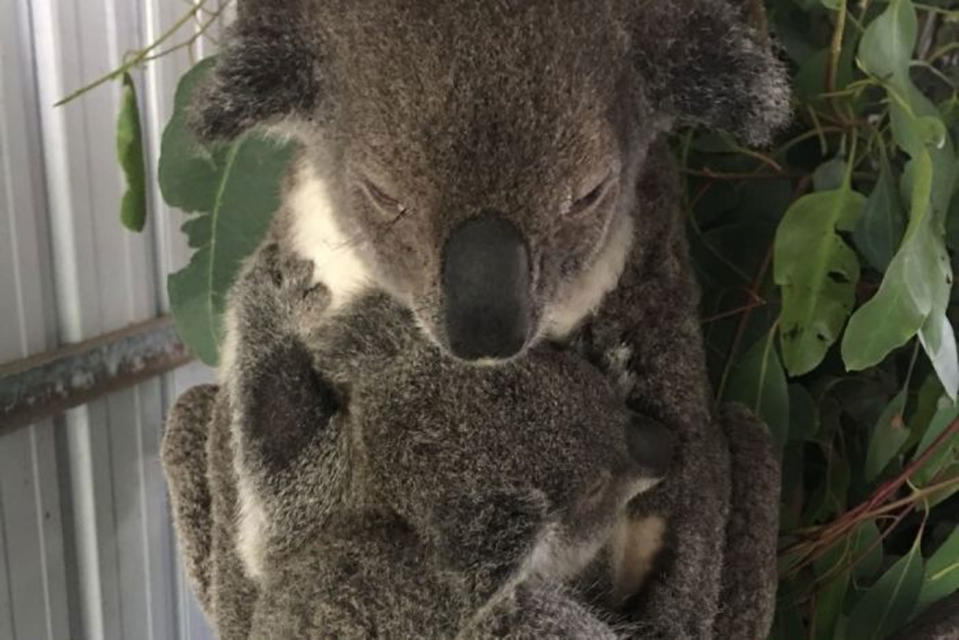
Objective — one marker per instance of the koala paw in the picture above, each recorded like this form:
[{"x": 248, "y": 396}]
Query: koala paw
[{"x": 279, "y": 286}]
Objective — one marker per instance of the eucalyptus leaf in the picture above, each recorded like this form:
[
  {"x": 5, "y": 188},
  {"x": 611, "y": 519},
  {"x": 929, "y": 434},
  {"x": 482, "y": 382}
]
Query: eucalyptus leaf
[
  {"x": 941, "y": 576},
  {"x": 905, "y": 297},
  {"x": 817, "y": 272},
  {"x": 833, "y": 570},
  {"x": 947, "y": 411},
  {"x": 867, "y": 550},
  {"x": 189, "y": 170},
  {"x": 236, "y": 189},
  {"x": 888, "y": 435},
  {"x": 133, "y": 206},
  {"x": 880, "y": 229},
  {"x": 886, "y": 605},
  {"x": 758, "y": 382}
]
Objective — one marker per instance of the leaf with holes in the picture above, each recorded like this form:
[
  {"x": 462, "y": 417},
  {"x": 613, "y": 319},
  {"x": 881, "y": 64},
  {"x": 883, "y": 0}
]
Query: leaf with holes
[
  {"x": 817, "y": 272},
  {"x": 133, "y": 207}
]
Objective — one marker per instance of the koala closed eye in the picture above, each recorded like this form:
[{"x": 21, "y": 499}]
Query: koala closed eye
[
  {"x": 594, "y": 197},
  {"x": 381, "y": 200}
]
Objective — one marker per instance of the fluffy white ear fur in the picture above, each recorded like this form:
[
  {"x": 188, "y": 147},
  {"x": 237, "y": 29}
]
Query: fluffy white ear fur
[
  {"x": 251, "y": 529},
  {"x": 581, "y": 297}
]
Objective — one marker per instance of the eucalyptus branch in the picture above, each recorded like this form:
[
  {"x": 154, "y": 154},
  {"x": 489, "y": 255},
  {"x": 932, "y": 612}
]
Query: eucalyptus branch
[{"x": 144, "y": 55}]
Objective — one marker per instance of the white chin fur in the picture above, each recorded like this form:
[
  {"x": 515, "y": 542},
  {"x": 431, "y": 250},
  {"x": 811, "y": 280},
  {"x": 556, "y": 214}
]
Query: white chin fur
[{"x": 317, "y": 236}]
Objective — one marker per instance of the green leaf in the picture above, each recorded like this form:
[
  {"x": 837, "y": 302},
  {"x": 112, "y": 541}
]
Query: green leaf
[
  {"x": 189, "y": 171},
  {"x": 941, "y": 577},
  {"x": 193, "y": 315},
  {"x": 917, "y": 295},
  {"x": 833, "y": 569},
  {"x": 887, "y": 437},
  {"x": 867, "y": 550},
  {"x": 947, "y": 411},
  {"x": 237, "y": 189},
  {"x": 817, "y": 272},
  {"x": 886, "y": 605},
  {"x": 133, "y": 207},
  {"x": 905, "y": 297},
  {"x": 885, "y": 50},
  {"x": 829, "y": 175},
  {"x": 198, "y": 230},
  {"x": 757, "y": 380},
  {"x": 880, "y": 229},
  {"x": 247, "y": 196}
]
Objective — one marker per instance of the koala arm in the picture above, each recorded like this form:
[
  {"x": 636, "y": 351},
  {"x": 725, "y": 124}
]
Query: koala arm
[
  {"x": 184, "y": 460},
  {"x": 276, "y": 398},
  {"x": 487, "y": 540},
  {"x": 748, "y": 598},
  {"x": 534, "y": 611},
  {"x": 646, "y": 336}
]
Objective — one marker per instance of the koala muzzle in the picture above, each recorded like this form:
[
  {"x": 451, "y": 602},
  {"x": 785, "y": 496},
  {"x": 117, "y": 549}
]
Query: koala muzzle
[
  {"x": 486, "y": 286},
  {"x": 650, "y": 444}
]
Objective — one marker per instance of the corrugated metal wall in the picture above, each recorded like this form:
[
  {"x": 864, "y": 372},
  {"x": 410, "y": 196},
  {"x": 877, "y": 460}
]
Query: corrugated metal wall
[{"x": 86, "y": 549}]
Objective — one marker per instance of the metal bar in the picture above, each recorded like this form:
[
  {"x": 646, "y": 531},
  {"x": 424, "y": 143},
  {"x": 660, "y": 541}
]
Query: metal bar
[{"x": 49, "y": 383}]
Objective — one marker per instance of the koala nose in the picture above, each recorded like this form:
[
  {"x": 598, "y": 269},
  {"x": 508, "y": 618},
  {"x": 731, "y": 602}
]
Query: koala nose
[
  {"x": 486, "y": 286},
  {"x": 650, "y": 445}
]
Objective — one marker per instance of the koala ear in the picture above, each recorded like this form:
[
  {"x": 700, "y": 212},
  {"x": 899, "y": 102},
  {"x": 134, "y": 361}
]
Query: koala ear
[
  {"x": 488, "y": 535},
  {"x": 700, "y": 62},
  {"x": 267, "y": 71}
]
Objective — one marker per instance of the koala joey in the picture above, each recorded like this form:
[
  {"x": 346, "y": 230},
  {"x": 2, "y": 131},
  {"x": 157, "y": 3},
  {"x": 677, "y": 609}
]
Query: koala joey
[
  {"x": 398, "y": 493},
  {"x": 499, "y": 170},
  {"x": 401, "y": 493}
]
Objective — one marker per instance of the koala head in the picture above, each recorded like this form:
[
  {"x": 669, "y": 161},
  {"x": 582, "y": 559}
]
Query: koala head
[
  {"x": 502, "y": 471},
  {"x": 482, "y": 157}
]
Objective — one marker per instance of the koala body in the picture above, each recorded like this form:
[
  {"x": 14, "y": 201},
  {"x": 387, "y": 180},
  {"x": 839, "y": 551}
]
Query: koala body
[
  {"x": 394, "y": 505},
  {"x": 403, "y": 494},
  {"x": 498, "y": 169}
]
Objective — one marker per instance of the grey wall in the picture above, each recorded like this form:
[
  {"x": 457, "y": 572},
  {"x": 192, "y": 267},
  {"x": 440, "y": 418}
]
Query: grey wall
[{"x": 86, "y": 550}]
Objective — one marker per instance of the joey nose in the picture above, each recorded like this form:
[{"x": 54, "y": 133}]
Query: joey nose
[
  {"x": 486, "y": 288},
  {"x": 650, "y": 445}
]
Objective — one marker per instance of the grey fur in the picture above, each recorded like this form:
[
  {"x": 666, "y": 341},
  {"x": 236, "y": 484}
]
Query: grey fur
[
  {"x": 452, "y": 108},
  {"x": 431, "y": 499},
  {"x": 455, "y": 108},
  {"x": 465, "y": 507}
]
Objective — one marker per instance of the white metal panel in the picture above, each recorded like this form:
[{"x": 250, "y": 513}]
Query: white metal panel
[
  {"x": 33, "y": 577},
  {"x": 84, "y": 520}
]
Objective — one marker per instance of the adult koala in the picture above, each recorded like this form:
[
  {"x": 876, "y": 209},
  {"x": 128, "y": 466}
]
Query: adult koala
[{"x": 498, "y": 168}]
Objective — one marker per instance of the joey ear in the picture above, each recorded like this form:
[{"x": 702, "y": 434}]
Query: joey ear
[
  {"x": 267, "y": 71},
  {"x": 701, "y": 63},
  {"x": 488, "y": 535}
]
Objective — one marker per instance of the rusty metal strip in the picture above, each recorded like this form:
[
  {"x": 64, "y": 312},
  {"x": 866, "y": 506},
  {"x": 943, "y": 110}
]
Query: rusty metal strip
[{"x": 49, "y": 383}]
